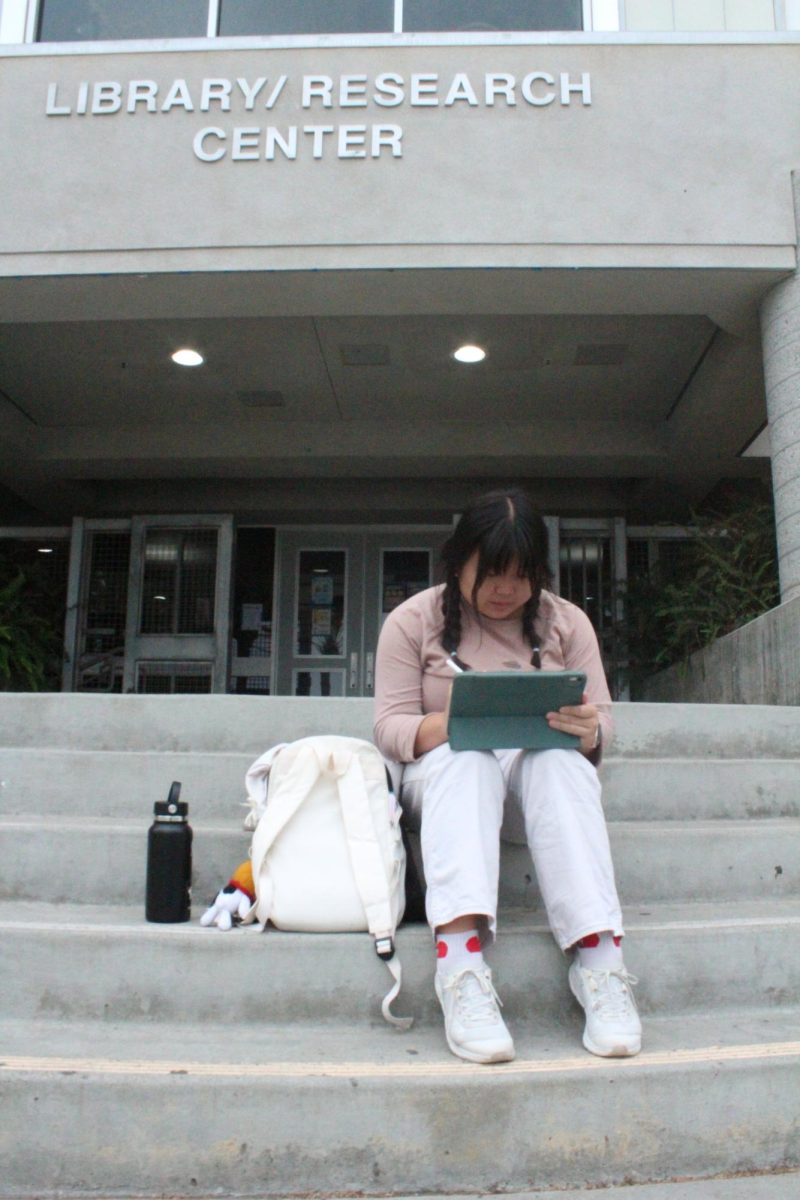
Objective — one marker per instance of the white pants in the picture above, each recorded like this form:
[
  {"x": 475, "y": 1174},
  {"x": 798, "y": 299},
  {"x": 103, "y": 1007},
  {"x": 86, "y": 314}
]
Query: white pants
[{"x": 461, "y": 801}]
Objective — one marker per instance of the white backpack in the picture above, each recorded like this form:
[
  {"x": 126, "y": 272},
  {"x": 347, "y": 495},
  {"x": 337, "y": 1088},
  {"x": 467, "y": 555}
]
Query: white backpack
[{"x": 327, "y": 851}]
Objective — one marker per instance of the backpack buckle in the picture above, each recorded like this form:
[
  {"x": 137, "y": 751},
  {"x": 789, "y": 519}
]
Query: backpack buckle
[{"x": 384, "y": 947}]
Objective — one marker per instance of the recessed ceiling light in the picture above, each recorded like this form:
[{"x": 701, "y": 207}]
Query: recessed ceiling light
[
  {"x": 45, "y": 549},
  {"x": 187, "y": 358},
  {"x": 469, "y": 354}
]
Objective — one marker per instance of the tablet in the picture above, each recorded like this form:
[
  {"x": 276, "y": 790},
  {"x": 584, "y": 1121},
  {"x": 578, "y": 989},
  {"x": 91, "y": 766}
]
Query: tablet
[{"x": 493, "y": 710}]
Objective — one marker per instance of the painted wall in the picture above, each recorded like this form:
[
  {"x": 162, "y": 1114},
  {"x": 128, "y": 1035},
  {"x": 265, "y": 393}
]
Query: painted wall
[{"x": 545, "y": 154}]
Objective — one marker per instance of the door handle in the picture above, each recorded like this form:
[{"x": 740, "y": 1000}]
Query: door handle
[
  {"x": 353, "y": 671},
  {"x": 370, "y": 668}
]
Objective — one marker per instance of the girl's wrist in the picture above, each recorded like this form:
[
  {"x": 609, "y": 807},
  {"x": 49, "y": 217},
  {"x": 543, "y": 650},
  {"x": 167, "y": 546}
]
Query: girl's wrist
[
  {"x": 432, "y": 732},
  {"x": 593, "y": 748}
]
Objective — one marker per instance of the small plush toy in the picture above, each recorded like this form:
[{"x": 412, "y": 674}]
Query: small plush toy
[{"x": 234, "y": 901}]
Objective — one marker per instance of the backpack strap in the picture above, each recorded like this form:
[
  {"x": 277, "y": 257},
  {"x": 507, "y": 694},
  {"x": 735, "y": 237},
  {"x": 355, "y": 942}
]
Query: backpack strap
[
  {"x": 365, "y": 855},
  {"x": 369, "y": 871},
  {"x": 286, "y": 795}
]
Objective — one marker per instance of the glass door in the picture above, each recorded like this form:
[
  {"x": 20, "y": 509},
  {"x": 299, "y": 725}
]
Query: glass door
[
  {"x": 398, "y": 565},
  {"x": 320, "y": 595},
  {"x": 335, "y": 590}
]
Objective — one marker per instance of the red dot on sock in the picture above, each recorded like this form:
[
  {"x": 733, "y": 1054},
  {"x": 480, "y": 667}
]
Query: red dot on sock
[
  {"x": 617, "y": 941},
  {"x": 590, "y": 941},
  {"x": 441, "y": 949},
  {"x": 474, "y": 945}
]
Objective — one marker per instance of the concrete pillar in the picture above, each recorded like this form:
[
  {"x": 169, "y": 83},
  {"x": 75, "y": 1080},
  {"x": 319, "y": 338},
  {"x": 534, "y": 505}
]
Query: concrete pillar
[{"x": 780, "y": 337}]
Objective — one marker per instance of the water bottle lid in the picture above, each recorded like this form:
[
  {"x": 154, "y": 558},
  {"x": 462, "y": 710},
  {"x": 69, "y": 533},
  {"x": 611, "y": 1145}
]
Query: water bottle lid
[{"x": 168, "y": 808}]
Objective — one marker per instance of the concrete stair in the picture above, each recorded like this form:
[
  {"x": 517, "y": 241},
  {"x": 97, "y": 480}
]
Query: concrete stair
[{"x": 151, "y": 1060}]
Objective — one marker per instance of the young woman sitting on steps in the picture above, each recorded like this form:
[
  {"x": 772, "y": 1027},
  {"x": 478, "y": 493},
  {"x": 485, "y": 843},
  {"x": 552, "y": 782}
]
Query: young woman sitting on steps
[{"x": 495, "y": 612}]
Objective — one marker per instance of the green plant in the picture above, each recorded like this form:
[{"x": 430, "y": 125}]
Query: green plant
[
  {"x": 30, "y": 644},
  {"x": 727, "y": 577}
]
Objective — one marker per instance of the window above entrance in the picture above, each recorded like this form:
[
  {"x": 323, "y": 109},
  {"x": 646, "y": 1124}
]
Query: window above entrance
[
  {"x": 108, "y": 20},
  {"x": 274, "y": 17},
  {"x": 472, "y": 16}
]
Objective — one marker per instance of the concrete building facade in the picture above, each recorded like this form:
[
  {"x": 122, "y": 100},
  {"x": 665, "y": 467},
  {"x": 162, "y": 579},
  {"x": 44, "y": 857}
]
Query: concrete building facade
[{"x": 324, "y": 203}]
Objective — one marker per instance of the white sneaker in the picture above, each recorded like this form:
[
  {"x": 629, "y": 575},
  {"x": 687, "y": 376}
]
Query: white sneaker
[
  {"x": 472, "y": 1022},
  {"x": 613, "y": 1028}
]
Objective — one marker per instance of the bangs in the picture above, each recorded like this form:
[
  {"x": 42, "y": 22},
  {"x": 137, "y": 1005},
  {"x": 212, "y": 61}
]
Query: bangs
[
  {"x": 502, "y": 528},
  {"x": 502, "y": 545}
]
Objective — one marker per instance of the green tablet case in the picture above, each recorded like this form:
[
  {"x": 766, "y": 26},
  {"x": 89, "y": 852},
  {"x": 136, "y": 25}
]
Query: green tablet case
[{"x": 493, "y": 710}]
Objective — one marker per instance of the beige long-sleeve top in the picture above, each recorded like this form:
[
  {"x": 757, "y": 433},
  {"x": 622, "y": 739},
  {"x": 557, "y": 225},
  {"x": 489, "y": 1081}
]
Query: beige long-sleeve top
[{"x": 412, "y": 677}]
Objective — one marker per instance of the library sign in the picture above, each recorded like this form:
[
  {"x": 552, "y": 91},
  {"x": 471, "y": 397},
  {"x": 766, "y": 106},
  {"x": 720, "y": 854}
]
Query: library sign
[{"x": 332, "y": 128}]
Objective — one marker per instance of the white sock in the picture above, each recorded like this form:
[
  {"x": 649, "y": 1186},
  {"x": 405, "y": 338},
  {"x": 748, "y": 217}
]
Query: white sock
[
  {"x": 605, "y": 955},
  {"x": 458, "y": 951}
]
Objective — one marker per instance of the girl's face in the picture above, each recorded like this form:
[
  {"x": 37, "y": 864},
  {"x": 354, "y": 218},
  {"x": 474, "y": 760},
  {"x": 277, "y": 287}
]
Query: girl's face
[{"x": 499, "y": 596}]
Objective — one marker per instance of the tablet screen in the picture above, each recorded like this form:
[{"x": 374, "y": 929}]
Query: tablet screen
[{"x": 506, "y": 709}]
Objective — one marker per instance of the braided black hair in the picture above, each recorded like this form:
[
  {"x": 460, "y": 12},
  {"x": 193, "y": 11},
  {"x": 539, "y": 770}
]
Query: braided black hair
[{"x": 503, "y": 527}]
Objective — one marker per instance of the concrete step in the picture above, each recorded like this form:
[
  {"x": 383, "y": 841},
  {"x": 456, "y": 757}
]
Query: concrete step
[
  {"x": 152, "y": 1060},
  {"x": 782, "y": 1184},
  {"x": 80, "y": 962},
  {"x": 779, "y": 1185},
  {"x": 175, "y": 724},
  {"x": 175, "y": 1110},
  {"x": 685, "y": 789},
  {"x": 113, "y": 783},
  {"x": 250, "y": 724},
  {"x": 672, "y": 861},
  {"x": 67, "y": 859}
]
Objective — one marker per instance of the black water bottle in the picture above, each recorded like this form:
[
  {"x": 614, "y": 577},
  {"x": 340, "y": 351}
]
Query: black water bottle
[{"x": 169, "y": 861}]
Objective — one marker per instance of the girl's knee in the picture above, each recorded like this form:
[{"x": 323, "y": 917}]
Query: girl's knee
[
  {"x": 558, "y": 779},
  {"x": 466, "y": 783},
  {"x": 470, "y": 765},
  {"x": 560, "y": 764}
]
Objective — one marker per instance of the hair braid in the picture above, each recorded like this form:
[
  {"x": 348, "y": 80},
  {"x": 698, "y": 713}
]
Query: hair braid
[
  {"x": 529, "y": 633},
  {"x": 451, "y": 608}
]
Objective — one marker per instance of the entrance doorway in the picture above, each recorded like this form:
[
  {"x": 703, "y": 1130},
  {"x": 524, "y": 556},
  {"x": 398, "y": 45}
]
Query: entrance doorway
[
  {"x": 174, "y": 604},
  {"x": 176, "y": 637},
  {"x": 148, "y": 604},
  {"x": 334, "y": 591}
]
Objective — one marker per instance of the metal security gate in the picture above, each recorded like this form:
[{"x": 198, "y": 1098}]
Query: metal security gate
[
  {"x": 101, "y": 612},
  {"x": 148, "y": 605},
  {"x": 178, "y": 611},
  {"x": 591, "y": 557}
]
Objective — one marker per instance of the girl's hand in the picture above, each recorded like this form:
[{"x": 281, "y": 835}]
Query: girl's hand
[{"x": 582, "y": 720}]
